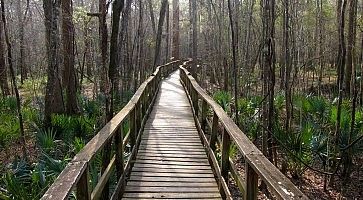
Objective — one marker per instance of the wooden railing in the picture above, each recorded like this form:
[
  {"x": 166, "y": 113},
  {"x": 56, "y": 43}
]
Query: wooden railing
[
  {"x": 222, "y": 133},
  {"x": 110, "y": 142}
]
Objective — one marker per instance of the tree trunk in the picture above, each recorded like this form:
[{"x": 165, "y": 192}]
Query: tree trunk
[
  {"x": 160, "y": 31},
  {"x": 114, "y": 53},
  {"x": 351, "y": 38},
  {"x": 13, "y": 77},
  {"x": 69, "y": 80},
  {"x": 176, "y": 35},
  {"x": 53, "y": 95},
  {"x": 104, "y": 86},
  {"x": 234, "y": 59},
  {"x": 3, "y": 72},
  {"x": 340, "y": 65},
  {"x": 268, "y": 66},
  {"x": 195, "y": 38},
  {"x": 152, "y": 16}
]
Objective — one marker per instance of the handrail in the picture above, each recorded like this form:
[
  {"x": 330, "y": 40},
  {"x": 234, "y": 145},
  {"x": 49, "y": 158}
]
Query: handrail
[
  {"x": 257, "y": 165},
  {"x": 76, "y": 173}
]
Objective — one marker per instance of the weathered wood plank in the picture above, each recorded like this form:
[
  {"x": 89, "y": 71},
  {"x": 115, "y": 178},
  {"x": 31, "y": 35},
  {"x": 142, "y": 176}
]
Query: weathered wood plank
[
  {"x": 172, "y": 195},
  {"x": 165, "y": 166},
  {"x": 66, "y": 181},
  {"x": 179, "y": 189},
  {"x": 171, "y": 184}
]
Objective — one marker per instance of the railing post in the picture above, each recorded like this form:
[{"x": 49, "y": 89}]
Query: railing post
[
  {"x": 138, "y": 117},
  {"x": 194, "y": 96},
  {"x": 226, "y": 143},
  {"x": 204, "y": 115},
  {"x": 83, "y": 191},
  {"x": 214, "y": 132},
  {"x": 106, "y": 156},
  {"x": 251, "y": 183},
  {"x": 132, "y": 128},
  {"x": 119, "y": 152}
]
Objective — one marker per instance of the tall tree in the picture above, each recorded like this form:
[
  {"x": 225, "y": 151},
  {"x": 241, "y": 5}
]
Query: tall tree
[
  {"x": 340, "y": 64},
  {"x": 114, "y": 51},
  {"x": 4, "y": 86},
  {"x": 268, "y": 68},
  {"x": 69, "y": 80},
  {"x": 351, "y": 39},
  {"x": 195, "y": 38},
  {"x": 53, "y": 95},
  {"x": 13, "y": 79},
  {"x": 22, "y": 22},
  {"x": 234, "y": 59},
  {"x": 102, "y": 9},
  {"x": 176, "y": 34},
  {"x": 160, "y": 31}
]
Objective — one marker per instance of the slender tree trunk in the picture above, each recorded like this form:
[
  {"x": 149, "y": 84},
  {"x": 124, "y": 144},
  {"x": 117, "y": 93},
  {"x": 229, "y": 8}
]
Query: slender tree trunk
[
  {"x": 114, "y": 53},
  {"x": 13, "y": 77},
  {"x": 3, "y": 72},
  {"x": 176, "y": 35},
  {"x": 351, "y": 38},
  {"x": 152, "y": 16},
  {"x": 103, "y": 33},
  {"x": 160, "y": 31},
  {"x": 22, "y": 22},
  {"x": 234, "y": 59},
  {"x": 340, "y": 65},
  {"x": 268, "y": 65},
  {"x": 195, "y": 38}
]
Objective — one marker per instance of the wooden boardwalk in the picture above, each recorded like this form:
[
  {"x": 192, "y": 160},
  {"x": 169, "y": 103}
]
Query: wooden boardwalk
[{"x": 171, "y": 162}]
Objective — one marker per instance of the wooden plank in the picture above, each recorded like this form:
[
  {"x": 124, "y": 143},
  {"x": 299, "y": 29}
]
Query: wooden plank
[
  {"x": 167, "y": 170},
  {"x": 179, "y": 189},
  {"x": 172, "y": 179},
  {"x": 171, "y": 175},
  {"x": 165, "y": 166},
  {"x": 167, "y": 162},
  {"x": 280, "y": 184},
  {"x": 138, "y": 198},
  {"x": 173, "y": 151},
  {"x": 64, "y": 183},
  {"x": 175, "y": 155},
  {"x": 170, "y": 184},
  {"x": 172, "y": 195},
  {"x": 166, "y": 158}
]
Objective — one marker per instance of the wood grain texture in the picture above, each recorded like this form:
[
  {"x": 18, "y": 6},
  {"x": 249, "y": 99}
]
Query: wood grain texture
[{"x": 171, "y": 162}]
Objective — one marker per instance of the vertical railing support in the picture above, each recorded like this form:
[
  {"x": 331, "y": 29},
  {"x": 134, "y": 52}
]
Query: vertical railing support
[
  {"x": 83, "y": 190},
  {"x": 132, "y": 128},
  {"x": 106, "y": 156},
  {"x": 226, "y": 143},
  {"x": 204, "y": 115},
  {"x": 214, "y": 132},
  {"x": 251, "y": 183},
  {"x": 119, "y": 152}
]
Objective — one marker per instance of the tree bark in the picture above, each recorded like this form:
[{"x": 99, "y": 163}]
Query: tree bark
[
  {"x": 13, "y": 78},
  {"x": 3, "y": 72},
  {"x": 160, "y": 31},
  {"x": 114, "y": 52},
  {"x": 53, "y": 95},
  {"x": 69, "y": 80},
  {"x": 351, "y": 38},
  {"x": 176, "y": 34}
]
